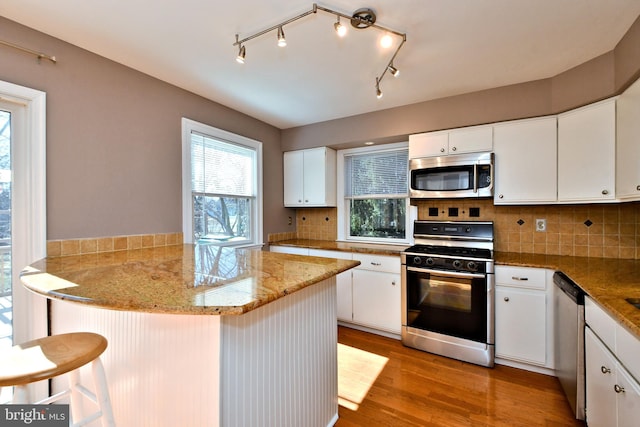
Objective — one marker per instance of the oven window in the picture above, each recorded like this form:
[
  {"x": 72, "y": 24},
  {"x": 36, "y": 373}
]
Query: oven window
[
  {"x": 450, "y": 306},
  {"x": 447, "y": 294}
]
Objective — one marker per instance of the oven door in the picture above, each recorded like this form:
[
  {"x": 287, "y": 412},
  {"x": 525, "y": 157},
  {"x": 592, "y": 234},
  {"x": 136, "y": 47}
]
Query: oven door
[{"x": 450, "y": 303}]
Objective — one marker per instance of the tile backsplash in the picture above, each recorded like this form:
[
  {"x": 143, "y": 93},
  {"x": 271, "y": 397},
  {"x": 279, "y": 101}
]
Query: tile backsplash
[
  {"x": 317, "y": 223},
  {"x": 595, "y": 230},
  {"x": 109, "y": 244}
]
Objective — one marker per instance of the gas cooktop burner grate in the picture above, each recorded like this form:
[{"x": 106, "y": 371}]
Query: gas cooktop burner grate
[{"x": 450, "y": 251}]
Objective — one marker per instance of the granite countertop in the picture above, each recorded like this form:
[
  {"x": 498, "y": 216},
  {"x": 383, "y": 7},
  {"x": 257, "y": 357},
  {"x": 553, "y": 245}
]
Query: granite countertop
[
  {"x": 608, "y": 281},
  {"x": 181, "y": 279},
  {"x": 329, "y": 245}
]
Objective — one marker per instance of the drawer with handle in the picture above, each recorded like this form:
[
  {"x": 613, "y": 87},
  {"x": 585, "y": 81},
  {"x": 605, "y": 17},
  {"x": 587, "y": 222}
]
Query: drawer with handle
[
  {"x": 386, "y": 263},
  {"x": 520, "y": 277}
]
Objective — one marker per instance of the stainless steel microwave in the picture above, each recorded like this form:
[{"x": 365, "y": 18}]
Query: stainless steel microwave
[{"x": 460, "y": 175}]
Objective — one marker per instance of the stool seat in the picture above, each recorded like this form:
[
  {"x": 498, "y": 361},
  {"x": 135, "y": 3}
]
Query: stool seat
[{"x": 48, "y": 357}]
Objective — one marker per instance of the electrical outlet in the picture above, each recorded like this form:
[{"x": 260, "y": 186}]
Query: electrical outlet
[{"x": 541, "y": 225}]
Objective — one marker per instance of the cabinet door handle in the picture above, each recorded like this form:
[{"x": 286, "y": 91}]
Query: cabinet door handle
[
  {"x": 638, "y": 187},
  {"x": 605, "y": 192},
  {"x": 442, "y": 150},
  {"x": 522, "y": 279},
  {"x": 453, "y": 148},
  {"x": 506, "y": 299},
  {"x": 618, "y": 389},
  {"x": 393, "y": 283},
  {"x": 377, "y": 264},
  {"x": 501, "y": 196},
  {"x": 605, "y": 370}
]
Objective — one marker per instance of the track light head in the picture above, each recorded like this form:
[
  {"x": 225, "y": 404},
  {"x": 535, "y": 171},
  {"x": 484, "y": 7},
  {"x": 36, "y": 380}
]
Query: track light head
[
  {"x": 282, "y": 42},
  {"x": 393, "y": 70},
  {"x": 341, "y": 30},
  {"x": 378, "y": 91},
  {"x": 241, "y": 54}
]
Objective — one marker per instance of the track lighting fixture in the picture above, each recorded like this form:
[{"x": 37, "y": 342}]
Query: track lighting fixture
[
  {"x": 393, "y": 70},
  {"x": 241, "y": 54},
  {"x": 341, "y": 30},
  {"x": 282, "y": 42},
  {"x": 361, "y": 19}
]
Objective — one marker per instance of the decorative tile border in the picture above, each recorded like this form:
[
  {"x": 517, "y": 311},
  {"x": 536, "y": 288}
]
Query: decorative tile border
[{"x": 110, "y": 244}]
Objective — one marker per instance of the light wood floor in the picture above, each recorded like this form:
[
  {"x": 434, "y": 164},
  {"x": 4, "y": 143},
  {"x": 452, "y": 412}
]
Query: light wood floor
[{"x": 415, "y": 388}]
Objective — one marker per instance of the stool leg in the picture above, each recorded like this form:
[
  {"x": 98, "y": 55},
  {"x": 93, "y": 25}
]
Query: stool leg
[
  {"x": 75, "y": 398},
  {"x": 102, "y": 393},
  {"x": 20, "y": 395}
]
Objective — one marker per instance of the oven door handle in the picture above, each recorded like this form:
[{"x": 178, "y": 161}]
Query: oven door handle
[{"x": 447, "y": 273}]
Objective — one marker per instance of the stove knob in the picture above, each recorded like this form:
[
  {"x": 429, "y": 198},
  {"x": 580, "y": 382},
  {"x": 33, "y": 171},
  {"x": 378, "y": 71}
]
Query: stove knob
[
  {"x": 430, "y": 261},
  {"x": 468, "y": 229},
  {"x": 457, "y": 264},
  {"x": 472, "y": 266},
  {"x": 417, "y": 260}
]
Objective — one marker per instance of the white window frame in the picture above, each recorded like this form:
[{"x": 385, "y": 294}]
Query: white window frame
[
  {"x": 343, "y": 211},
  {"x": 28, "y": 214},
  {"x": 189, "y": 126}
]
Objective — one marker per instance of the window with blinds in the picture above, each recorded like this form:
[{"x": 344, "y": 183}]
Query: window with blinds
[
  {"x": 376, "y": 194},
  {"x": 222, "y": 172}
]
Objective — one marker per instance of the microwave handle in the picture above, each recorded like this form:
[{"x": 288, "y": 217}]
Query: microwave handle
[{"x": 475, "y": 178}]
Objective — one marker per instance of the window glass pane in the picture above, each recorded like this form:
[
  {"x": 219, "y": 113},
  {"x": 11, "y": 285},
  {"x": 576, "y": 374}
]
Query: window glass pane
[
  {"x": 221, "y": 219},
  {"x": 376, "y": 193},
  {"x": 221, "y": 167},
  {"x": 376, "y": 173},
  {"x": 378, "y": 218}
]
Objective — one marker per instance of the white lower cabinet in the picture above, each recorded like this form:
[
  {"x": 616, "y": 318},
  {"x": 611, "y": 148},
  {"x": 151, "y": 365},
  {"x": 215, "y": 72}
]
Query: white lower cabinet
[
  {"x": 343, "y": 284},
  {"x": 612, "y": 393},
  {"x": 293, "y": 250},
  {"x": 520, "y": 325},
  {"x": 376, "y": 300},
  {"x": 523, "y": 317},
  {"x": 600, "y": 373},
  {"x": 368, "y": 295},
  {"x": 376, "y": 292}
]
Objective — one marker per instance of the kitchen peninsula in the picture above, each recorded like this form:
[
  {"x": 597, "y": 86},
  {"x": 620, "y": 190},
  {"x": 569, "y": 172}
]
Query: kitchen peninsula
[{"x": 203, "y": 335}]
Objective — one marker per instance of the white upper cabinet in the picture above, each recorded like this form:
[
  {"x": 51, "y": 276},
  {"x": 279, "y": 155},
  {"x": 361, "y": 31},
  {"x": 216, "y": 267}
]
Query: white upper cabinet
[
  {"x": 471, "y": 140},
  {"x": 587, "y": 153},
  {"x": 525, "y": 161},
  {"x": 628, "y": 144},
  {"x": 456, "y": 141},
  {"x": 310, "y": 177}
]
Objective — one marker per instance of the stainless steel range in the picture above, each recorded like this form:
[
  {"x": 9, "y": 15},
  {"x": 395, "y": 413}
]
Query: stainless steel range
[{"x": 448, "y": 290}]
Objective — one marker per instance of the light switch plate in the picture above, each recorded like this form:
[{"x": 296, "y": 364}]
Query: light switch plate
[{"x": 541, "y": 225}]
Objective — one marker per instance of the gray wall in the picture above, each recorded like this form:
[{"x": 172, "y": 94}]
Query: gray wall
[
  {"x": 599, "y": 78},
  {"x": 113, "y": 134},
  {"x": 114, "y": 141}
]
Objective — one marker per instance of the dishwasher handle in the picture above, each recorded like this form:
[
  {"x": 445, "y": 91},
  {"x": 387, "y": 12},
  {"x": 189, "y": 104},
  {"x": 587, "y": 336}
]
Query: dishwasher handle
[{"x": 569, "y": 287}]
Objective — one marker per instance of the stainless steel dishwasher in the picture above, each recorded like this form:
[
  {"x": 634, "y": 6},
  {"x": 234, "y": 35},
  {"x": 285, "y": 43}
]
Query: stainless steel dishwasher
[{"x": 569, "y": 341}]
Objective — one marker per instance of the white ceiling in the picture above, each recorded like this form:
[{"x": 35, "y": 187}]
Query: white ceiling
[{"x": 453, "y": 47}]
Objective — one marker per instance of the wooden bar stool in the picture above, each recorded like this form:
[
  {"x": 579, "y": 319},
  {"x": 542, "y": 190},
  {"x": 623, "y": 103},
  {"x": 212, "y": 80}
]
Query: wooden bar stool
[{"x": 48, "y": 357}]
